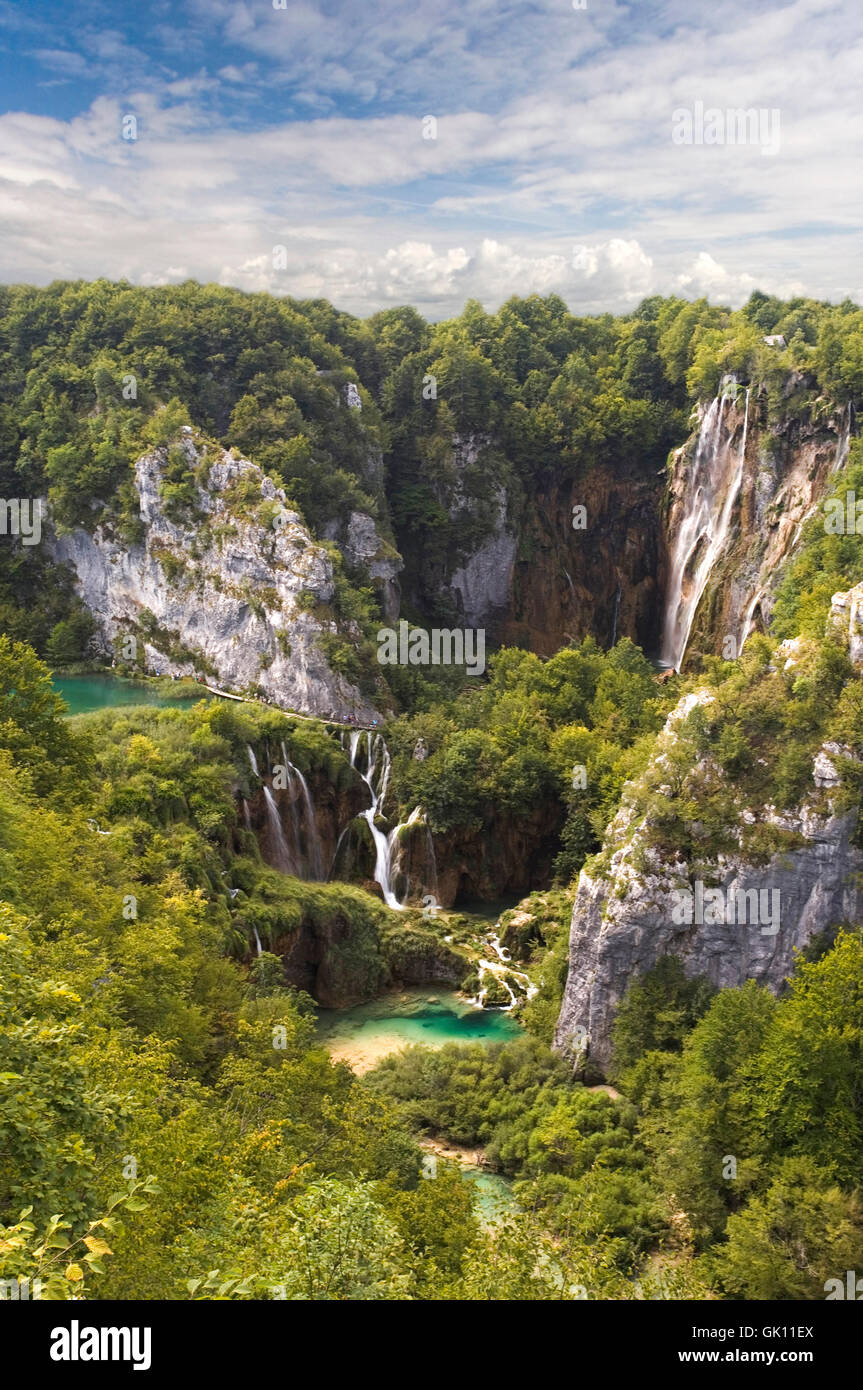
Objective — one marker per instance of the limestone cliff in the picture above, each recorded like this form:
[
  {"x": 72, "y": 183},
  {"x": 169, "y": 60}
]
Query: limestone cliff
[
  {"x": 739, "y": 491},
  {"x": 236, "y": 588},
  {"x": 627, "y": 914}
]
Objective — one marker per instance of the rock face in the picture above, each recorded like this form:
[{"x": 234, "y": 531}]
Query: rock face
[
  {"x": 481, "y": 584},
  {"x": 606, "y": 580},
  {"x": 846, "y": 614},
  {"x": 784, "y": 474},
  {"x": 237, "y": 593},
  {"x": 525, "y": 572},
  {"x": 367, "y": 551},
  {"x": 625, "y": 920}
]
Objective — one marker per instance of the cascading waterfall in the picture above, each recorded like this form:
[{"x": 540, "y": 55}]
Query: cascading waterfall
[
  {"x": 714, "y": 485},
  {"x": 291, "y": 854},
  {"x": 315, "y": 853},
  {"x": 281, "y": 849},
  {"x": 500, "y": 968},
  {"x": 383, "y": 843},
  {"x": 284, "y": 858},
  {"x": 377, "y": 784},
  {"x": 431, "y": 858}
]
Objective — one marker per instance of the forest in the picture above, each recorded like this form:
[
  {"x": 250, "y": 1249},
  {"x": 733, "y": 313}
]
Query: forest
[{"x": 172, "y": 1125}]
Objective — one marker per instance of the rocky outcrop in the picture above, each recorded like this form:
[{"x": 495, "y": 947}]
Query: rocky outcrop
[
  {"x": 239, "y": 592},
  {"x": 369, "y": 553},
  {"x": 481, "y": 584},
  {"x": 339, "y": 961},
  {"x": 743, "y": 922},
  {"x": 846, "y": 617}
]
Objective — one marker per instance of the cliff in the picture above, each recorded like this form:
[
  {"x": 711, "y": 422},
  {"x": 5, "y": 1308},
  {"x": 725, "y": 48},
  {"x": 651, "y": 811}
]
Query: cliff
[
  {"x": 235, "y": 586},
  {"x": 638, "y": 901},
  {"x": 739, "y": 491}
]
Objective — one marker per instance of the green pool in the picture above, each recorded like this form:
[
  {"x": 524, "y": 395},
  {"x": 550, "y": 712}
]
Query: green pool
[
  {"x": 362, "y": 1035},
  {"x": 85, "y": 694}
]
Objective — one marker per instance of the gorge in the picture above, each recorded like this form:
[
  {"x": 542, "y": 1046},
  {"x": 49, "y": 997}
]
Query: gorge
[{"x": 342, "y": 917}]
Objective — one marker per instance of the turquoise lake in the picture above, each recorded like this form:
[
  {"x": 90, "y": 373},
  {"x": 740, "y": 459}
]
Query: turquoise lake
[
  {"x": 86, "y": 694},
  {"x": 364, "y": 1034}
]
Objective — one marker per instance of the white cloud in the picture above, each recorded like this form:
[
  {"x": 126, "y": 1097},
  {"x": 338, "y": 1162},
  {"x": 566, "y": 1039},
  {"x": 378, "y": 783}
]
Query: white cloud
[{"x": 553, "y": 166}]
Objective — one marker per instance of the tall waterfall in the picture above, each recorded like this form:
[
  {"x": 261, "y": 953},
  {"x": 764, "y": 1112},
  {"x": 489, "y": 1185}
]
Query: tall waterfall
[{"x": 713, "y": 487}]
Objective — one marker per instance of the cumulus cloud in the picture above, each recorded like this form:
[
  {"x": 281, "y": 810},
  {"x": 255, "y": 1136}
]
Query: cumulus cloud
[{"x": 552, "y": 166}]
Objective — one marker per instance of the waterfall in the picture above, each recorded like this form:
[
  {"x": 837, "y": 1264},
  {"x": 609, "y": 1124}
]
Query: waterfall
[
  {"x": 298, "y": 788},
  {"x": 842, "y": 442},
  {"x": 750, "y": 614},
  {"x": 247, "y": 815},
  {"x": 713, "y": 486},
  {"x": 284, "y": 858},
  {"x": 346, "y": 831},
  {"x": 616, "y": 613},
  {"x": 258, "y": 945},
  {"x": 315, "y": 849},
  {"x": 500, "y": 968},
  {"x": 252, "y": 759},
  {"x": 377, "y": 785},
  {"x": 432, "y": 859}
]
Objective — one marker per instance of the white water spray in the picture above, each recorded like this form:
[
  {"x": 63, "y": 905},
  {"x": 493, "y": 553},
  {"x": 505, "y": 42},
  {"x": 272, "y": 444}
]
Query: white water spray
[{"x": 713, "y": 488}]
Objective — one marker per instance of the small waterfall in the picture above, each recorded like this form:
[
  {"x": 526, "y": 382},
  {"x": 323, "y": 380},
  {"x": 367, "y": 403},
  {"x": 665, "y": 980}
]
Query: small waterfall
[
  {"x": 499, "y": 969},
  {"x": 842, "y": 442},
  {"x": 377, "y": 785},
  {"x": 252, "y": 759},
  {"x": 284, "y": 858},
  {"x": 315, "y": 853},
  {"x": 259, "y": 948},
  {"x": 298, "y": 789},
  {"x": 616, "y": 614},
  {"x": 748, "y": 620},
  {"x": 713, "y": 486},
  {"x": 346, "y": 831},
  {"x": 247, "y": 815},
  {"x": 432, "y": 860}
]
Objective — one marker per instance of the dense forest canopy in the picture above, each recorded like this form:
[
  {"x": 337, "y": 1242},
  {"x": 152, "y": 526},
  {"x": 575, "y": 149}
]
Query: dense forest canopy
[
  {"x": 171, "y": 1125},
  {"x": 93, "y": 374}
]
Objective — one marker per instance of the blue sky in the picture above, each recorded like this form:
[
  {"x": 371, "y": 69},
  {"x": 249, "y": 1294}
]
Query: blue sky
[{"x": 552, "y": 166}]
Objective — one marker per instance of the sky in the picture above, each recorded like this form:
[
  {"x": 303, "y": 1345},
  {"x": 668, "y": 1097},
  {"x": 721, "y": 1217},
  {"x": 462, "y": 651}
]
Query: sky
[{"x": 438, "y": 150}]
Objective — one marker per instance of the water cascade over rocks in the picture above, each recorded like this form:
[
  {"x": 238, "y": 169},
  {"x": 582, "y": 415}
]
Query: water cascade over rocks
[
  {"x": 376, "y": 776},
  {"x": 299, "y": 789},
  {"x": 499, "y": 969},
  {"x": 293, "y": 853},
  {"x": 714, "y": 485}
]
